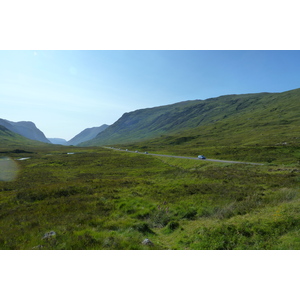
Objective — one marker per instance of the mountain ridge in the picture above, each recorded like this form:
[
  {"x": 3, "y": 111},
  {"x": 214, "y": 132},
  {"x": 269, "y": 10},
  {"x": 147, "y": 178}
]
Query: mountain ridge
[
  {"x": 149, "y": 123},
  {"x": 10, "y": 139},
  {"x": 25, "y": 128},
  {"x": 58, "y": 141},
  {"x": 86, "y": 135}
]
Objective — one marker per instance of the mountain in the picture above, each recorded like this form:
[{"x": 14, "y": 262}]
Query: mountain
[
  {"x": 236, "y": 119},
  {"x": 86, "y": 135},
  {"x": 58, "y": 141},
  {"x": 9, "y": 140},
  {"x": 26, "y": 129}
]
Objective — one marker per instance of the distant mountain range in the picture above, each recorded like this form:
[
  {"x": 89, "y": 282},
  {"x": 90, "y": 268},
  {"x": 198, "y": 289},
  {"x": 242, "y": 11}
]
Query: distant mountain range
[
  {"x": 58, "y": 141},
  {"x": 85, "y": 135},
  {"x": 26, "y": 129},
  {"x": 30, "y": 131},
  {"x": 247, "y": 119}
]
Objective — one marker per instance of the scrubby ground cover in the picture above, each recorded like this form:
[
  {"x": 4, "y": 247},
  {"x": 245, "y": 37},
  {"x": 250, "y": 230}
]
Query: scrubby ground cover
[
  {"x": 97, "y": 198},
  {"x": 224, "y": 146}
]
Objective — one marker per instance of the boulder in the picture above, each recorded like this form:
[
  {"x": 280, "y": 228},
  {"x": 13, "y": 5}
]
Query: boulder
[
  {"x": 147, "y": 242},
  {"x": 49, "y": 235}
]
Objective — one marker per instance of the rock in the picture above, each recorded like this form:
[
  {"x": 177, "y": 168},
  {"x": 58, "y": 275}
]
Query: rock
[
  {"x": 38, "y": 247},
  {"x": 49, "y": 235},
  {"x": 147, "y": 242}
]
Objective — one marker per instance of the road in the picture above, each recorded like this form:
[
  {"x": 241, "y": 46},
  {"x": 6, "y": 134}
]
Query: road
[{"x": 186, "y": 157}]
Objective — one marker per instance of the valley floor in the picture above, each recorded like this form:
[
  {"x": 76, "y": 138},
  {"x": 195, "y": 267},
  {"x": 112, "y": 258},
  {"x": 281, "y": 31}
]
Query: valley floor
[
  {"x": 194, "y": 158},
  {"x": 96, "y": 198}
]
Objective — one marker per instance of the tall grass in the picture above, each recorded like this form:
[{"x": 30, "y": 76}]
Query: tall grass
[{"x": 103, "y": 199}]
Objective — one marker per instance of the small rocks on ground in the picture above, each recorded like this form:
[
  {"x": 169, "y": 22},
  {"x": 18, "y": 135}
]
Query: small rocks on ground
[
  {"x": 49, "y": 235},
  {"x": 147, "y": 242},
  {"x": 38, "y": 247}
]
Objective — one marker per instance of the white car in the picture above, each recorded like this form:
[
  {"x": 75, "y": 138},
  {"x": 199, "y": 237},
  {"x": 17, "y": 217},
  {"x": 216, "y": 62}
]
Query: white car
[{"x": 201, "y": 157}]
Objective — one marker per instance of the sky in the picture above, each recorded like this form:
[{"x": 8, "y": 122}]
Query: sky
[{"x": 64, "y": 92}]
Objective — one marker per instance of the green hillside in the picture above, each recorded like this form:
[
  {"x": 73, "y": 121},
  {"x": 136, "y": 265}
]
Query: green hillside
[
  {"x": 25, "y": 128},
  {"x": 86, "y": 135},
  {"x": 99, "y": 198},
  {"x": 252, "y": 127},
  {"x": 10, "y": 140},
  {"x": 267, "y": 118},
  {"x": 141, "y": 124}
]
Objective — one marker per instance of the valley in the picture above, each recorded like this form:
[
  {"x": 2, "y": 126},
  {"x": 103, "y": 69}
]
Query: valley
[
  {"x": 244, "y": 195},
  {"x": 99, "y": 198},
  {"x": 186, "y": 157}
]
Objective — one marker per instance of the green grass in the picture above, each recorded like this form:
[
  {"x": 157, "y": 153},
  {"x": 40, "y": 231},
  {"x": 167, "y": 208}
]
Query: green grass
[
  {"x": 252, "y": 128},
  {"x": 104, "y": 199},
  {"x": 248, "y": 120}
]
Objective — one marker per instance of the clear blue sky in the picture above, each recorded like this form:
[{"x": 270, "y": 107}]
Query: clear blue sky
[{"x": 64, "y": 92}]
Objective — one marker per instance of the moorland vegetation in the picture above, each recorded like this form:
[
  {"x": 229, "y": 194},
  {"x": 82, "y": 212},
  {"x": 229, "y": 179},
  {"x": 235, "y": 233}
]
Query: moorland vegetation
[
  {"x": 99, "y": 198},
  {"x": 250, "y": 120}
]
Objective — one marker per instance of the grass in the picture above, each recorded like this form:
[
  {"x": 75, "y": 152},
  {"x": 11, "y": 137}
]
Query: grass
[
  {"x": 104, "y": 199},
  {"x": 98, "y": 198},
  {"x": 252, "y": 121},
  {"x": 259, "y": 128},
  {"x": 10, "y": 140}
]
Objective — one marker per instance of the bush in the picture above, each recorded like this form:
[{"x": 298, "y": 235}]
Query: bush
[
  {"x": 190, "y": 214},
  {"x": 143, "y": 228},
  {"x": 159, "y": 219},
  {"x": 173, "y": 225}
]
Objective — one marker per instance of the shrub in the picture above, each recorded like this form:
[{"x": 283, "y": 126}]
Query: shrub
[
  {"x": 190, "y": 214},
  {"x": 173, "y": 225},
  {"x": 159, "y": 219},
  {"x": 143, "y": 228}
]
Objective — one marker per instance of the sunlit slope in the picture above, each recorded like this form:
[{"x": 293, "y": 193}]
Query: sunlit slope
[
  {"x": 271, "y": 120},
  {"x": 141, "y": 124},
  {"x": 10, "y": 140},
  {"x": 239, "y": 119}
]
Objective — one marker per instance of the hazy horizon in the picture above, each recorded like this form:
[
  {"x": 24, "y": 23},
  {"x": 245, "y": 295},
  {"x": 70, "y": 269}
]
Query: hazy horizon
[{"x": 65, "y": 92}]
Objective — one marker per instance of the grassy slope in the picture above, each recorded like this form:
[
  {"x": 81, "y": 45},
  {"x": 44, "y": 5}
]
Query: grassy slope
[
  {"x": 103, "y": 199},
  {"x": 265, "y": 129},
  {"x": 86, "y": 135},
  {"x": 140, "y": 124},
  {"x": 10, "y": 140},
  {"x": 266, "y": 118}
]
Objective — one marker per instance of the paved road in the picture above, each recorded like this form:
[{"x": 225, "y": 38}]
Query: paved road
[{"x": 186, "y": 157}]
